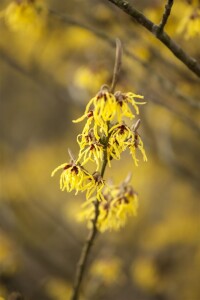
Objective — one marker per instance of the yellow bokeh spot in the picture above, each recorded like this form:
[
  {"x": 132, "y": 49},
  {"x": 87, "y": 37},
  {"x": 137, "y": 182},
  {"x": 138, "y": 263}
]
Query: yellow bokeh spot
[
  {"x": 107, "y": 270},
  {"x": 87, "y": 79},
  {"x": 58, "y": 289},
  {"x": 144, "y": 274}
]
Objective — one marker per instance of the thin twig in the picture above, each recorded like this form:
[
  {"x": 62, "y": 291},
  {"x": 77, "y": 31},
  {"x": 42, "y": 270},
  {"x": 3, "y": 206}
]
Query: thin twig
[
  {"x": 82, "y": 263},
  {"x": 189, "y": 61},
  {"x": 66, "y": 19},
  {"x": 117, "y": 66},
  {"x": 166, "y": 15},
  {"x": 81, "y": 266}
]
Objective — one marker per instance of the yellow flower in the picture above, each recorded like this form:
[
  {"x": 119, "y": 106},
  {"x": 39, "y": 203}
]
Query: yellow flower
[
  {"x": 85, "y": 139},
  {"x": 123, "y": 101},
  {"x": 119, "y": 133},
  {"x": 122, "y": 137},
  {"x": 106, "y": 106},
  {"x": 94, "y": 153},
  {"x": 74, "y": 177},
  {"x": 114, "y": 214},
  {"x": 118, "y": 204},
  {"x": 91, "y": 123},
  {"x": 90, "y": 149},
  {"x": 95, "y": 189},
  {"x": 134, "y": 144}
]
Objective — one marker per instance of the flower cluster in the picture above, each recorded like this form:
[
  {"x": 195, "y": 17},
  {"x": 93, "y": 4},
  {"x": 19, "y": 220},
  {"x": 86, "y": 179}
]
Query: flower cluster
[
  {"x": 75, "y": 177},
  {"x": 117, "y": 205},
  {"x": 104, "y": 116},
  {"x": 104, "y": 137}
]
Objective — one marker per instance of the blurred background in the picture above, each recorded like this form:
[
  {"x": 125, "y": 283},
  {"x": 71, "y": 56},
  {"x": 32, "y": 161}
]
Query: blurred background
[{"x": 53, "y": 59}]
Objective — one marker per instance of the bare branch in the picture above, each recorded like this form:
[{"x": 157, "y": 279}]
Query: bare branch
[
  {"x": 66, "y": 19},
  {"x": 117, "y": 66},
  {"x": 81, "y": 266},
  {"x": 189, "y": 61}
]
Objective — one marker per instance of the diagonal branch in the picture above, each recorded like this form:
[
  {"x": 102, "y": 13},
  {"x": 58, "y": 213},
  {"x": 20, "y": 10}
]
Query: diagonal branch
[
  {"x": 68, "y": 20},
  {"x": 189, "y": 61}
]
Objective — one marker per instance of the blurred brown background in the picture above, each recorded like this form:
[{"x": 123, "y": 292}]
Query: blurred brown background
[{"x": 45, "y": 82}]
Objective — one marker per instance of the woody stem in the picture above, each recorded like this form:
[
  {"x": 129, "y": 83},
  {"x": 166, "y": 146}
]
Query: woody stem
[
  {"x": 82, "y": 263},
  {"x": 81, "y": 266}
]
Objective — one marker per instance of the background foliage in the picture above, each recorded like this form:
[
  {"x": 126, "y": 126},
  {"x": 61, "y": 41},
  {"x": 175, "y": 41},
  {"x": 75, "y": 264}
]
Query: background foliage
[{"x": 47, "y": 74}]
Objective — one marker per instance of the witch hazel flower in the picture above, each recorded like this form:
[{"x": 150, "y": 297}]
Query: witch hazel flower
[{"x": 105, "y": 136}]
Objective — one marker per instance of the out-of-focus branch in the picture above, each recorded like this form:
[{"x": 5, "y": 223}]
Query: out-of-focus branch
[
  {"x": 110, "y": 41},
  {"x": 66, "y": 19},
  {"x": 13, "y": 63},
  {"x": 166, "y": 14},
  {"x": 187, "y": 60}
]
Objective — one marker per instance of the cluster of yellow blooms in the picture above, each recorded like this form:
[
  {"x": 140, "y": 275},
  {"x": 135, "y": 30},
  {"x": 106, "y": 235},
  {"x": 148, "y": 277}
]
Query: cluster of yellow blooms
[
  {"x": 190, "y": 21},
  {"x": 117, "y": 205},
  {"x": 104, "y": 137}
]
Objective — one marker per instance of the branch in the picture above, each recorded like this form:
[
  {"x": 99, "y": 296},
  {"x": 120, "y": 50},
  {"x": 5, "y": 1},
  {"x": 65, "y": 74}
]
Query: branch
[
  {"x": 66, "y": 19},
  {"x": 82, "y": 263},
  {"x": 189, "y": 61},
  {"x": 117, "y": 66},
  {"x": 81, "y": 266},
  {"x": 166, "y": 14}
]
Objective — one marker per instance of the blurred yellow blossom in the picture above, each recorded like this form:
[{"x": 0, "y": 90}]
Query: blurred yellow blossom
[
  {"x": 26, "y": 17},
  {"x": 87, "y": 79},
  {"x": 58, "y": 289},
  {"x": 144, "y": 273},
  {"x": 190, "y": 22},
  {"x": 118, "y": 204},
  {"x": 107, "y": 270}
]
